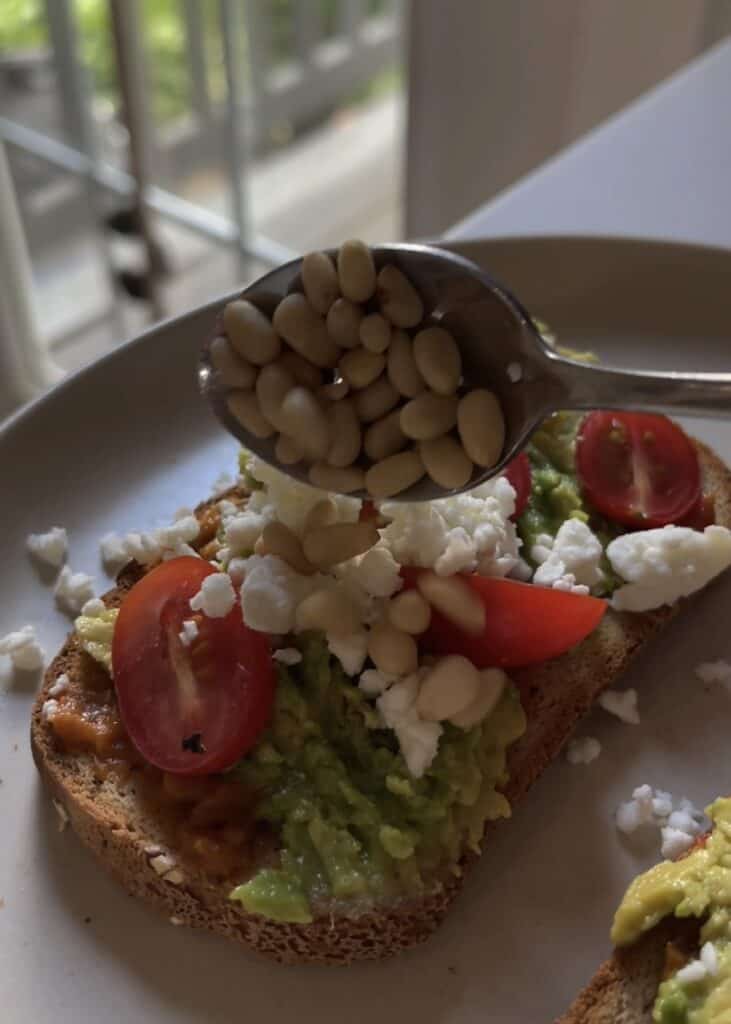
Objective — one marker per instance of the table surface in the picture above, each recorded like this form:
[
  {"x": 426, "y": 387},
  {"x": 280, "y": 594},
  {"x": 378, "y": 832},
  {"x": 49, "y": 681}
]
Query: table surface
[{"x": 660, "y": 168}]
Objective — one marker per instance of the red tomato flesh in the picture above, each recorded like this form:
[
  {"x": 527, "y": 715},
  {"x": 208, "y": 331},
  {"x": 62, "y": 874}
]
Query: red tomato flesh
[
  {"x": 637, "y": 469},
  {"x": 518, "y": 473},
  {"x": 190, "y": 710},
  {"x": 524, "y": 624}
]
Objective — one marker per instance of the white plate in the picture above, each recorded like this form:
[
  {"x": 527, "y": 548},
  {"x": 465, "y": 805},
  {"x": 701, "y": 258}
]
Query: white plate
[{"x": 124, "y": 443}]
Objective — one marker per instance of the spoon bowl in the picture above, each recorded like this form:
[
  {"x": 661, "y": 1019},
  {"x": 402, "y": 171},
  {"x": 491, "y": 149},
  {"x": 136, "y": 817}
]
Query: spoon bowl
[{"x": 501, "y": 349}]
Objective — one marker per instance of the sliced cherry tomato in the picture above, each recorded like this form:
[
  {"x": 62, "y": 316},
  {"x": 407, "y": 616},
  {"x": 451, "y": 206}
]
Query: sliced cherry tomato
[
  {"x": 637, "y": 469},
  {"x": 188, "y": 709},
  {"x": 524, "y": 624},
  {"x": 518, "y": 473},
  {"x": 702, "y": 514}
]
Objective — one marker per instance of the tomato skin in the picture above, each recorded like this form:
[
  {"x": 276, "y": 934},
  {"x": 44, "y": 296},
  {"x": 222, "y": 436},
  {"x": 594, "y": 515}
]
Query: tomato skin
[
  {"x": 220, "y": 689},
  {"x": 518, "y": 472},
  {"x": 637, "y": 469},
  {"x": 524, "y": 624},
  {"x": 702, "y": 514}
]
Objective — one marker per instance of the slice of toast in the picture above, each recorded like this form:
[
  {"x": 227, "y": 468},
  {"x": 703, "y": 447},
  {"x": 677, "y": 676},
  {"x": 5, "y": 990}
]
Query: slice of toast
[
  {"x": 124, "y": 833},
  {"x": 624, "y": 989}
]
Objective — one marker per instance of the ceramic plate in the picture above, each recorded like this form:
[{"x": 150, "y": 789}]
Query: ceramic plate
[{"x": 123, "y": 444}]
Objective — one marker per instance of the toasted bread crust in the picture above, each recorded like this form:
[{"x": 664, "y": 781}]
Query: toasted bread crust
[{"x": 119, "y": 831}]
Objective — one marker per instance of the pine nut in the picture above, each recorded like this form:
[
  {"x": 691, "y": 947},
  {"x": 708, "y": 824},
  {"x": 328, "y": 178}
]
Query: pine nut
[
  {"x": 250, "y": 332},
  {"x": 391, "y": 650},
  {"x": 361, "y": 367},
  {"x": 356, "y": 271},
  {"x": 446, "y": 462},
  {"x": 492, "y": 684},
  {"x": 409, "y": 612},
  {"x": 438, "y": 359},
  {"x": 287, "y": 451},
  {"x": 428, "y": 416},
  {"x": 330, "y": 545},
  {"x": 304, "y": 329},
  {"x": 277, "y": 539},
  {"x": 481, "y": 427},
  {"x": 448, "y": 689},
  {"x": 375, "y": 332},
  {"x": 454, "y": 599},
  {"x": 343, "y": 323},
  {"x": 384, "y": 437},
  {"x": 402, "y": 369},
  {"x": 335, "y": 390},
  {"x": 235, "y": 372},
  {"x": 303, "y": 372},
  {"x": 392, "y": 475},
  {"x": 344, "y": 430},
  {"x": 327, "y": 610},
  {"x": 322, "y": 513},
  {"x": 340, "y": 481},
  {"x": 272, "y": 384},
  {"x": 398, "y": 299},
  {"x": 320, "y": 281},
  {"x": 376, "y": 400},
  {"x": 244, "y": 406},
  {"x": 301, "y": 417}
]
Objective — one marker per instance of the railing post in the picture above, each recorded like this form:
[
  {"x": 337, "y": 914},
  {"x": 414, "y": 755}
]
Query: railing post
[
  {"x": 194, "y": 38},
  {"x": 234, "y": 138},
  {"x": 351, "y": 17},
  {"x": 307, "y": 30},
  {"x": 258, "y": 38}
]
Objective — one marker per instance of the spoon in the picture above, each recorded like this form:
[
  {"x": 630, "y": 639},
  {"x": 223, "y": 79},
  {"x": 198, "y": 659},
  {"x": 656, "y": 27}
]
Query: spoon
[{"x": 501, "y": 350}]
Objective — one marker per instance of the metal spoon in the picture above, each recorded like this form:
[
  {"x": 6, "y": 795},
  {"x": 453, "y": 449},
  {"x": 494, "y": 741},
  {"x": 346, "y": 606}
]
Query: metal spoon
[{"x": 501, "y": 349}]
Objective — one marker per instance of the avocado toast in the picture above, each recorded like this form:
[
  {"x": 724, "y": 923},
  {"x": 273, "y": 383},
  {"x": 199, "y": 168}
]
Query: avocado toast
[{"x": 180, "y": 842}]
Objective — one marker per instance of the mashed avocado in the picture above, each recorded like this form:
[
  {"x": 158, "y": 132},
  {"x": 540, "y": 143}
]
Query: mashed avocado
[
  {"x": 555, "y": 493},
  {"x": 354, "y": 824},
  {"x": 95, "y": 635},
  {"x": 698, "y": 885}
]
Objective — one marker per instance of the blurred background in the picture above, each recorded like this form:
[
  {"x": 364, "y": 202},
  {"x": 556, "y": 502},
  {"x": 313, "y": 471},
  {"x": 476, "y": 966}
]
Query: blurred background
[{"x": 155, "y": 153}]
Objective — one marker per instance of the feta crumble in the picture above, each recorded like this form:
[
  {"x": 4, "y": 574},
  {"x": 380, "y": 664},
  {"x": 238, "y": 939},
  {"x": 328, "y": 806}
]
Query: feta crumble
[
  {"x": 372, "y": 682},
  {"x": 50, "y": 547},
  {"x": 23, "y": 649},
  {"x": 49, "y": 708},
  {"x": 73, "y": 590},
  {"x": 583, "y": 750},
  {"x": 270, "y": 593},
  {"x": 146, "y": 547},
  {"x": 93, "y": 607},
  {"x": 216, "y": 596},
  {"x": 680, "y": 823},
  {"x": 188, "y": 632},
  {"x": 623, "y": 704},
  {"x": 60, "y": 686},
  {"x": 714, "y": 672},
  {"x": 691, "y": 972},
  {"x": 572, "y": 561},
  {"x": 287, "y": 656},
  {"x": 351, "y": 650},
  {"x": 663, "y": 565},
  {"x": 417, "y": 739}
]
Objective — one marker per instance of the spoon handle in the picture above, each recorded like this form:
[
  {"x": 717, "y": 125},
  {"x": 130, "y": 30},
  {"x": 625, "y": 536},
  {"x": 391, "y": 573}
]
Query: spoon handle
[{"x": 687, "y": 394}]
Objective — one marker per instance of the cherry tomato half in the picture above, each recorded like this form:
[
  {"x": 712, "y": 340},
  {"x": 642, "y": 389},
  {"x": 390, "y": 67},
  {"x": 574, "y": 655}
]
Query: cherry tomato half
[
  {"x": 524, "y": 623},
  {"x": 518, "y": 473},
  {"x": 637, "y": 469},
  {"x": 188, "y": 709}
]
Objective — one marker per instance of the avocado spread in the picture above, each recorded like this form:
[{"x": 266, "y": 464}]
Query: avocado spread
[
  {"x": 555, "y": 493},
  {"x": 354, "y": 825},
  {"x": 698, "y": 885}
]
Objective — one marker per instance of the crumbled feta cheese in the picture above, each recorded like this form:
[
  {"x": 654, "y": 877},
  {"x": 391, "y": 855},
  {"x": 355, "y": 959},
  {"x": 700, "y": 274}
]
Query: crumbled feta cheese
[
  {"x": 242, "y": 531},
  {"x": 60, "y": 686},
  {"x": 372, "y": 682},
  {"x": 692, "y": 972},
  {"x": 271, "y": 592},
  {"x": 162, "y": 864},
  {"x": 182, "y": 531},
  {"x": 179, "y": 551},
  {"x": 569, "y": 585},
  {"x": 49, "y": 709},
  {"x": 227, "y": 508},
  {"x": 584, "y": 750},
  {"x": 623, "y": 704},
  {"x": 113, "y": 550},
  {"x": 674, "y": 842},
  {"x": 541, "y": 550},
  {"x": 166, "y": 542},
  {"x": 288, "y": 656},
  {"x": 236, "y": 569},
  {"x": 679, "y": 822},
  {"x": 514, "y": 372},
  {"x": 574, "y": 557},
  {"x": 714, "y": 672},
  {"x": 351, "y": 650},
  {"x": 377, "y": 572},
  {"x": 93, "y": 607},
  {"x": 418, "y": 740},
  {"x": 63, "y": 814},
  {"x": 471, "y": 531},
  {"x": 292, "y": 499},
  {"x": 73, "y": 590},
  {"x": 709, "y": 958},
  {"x": 188, "y": 632},
  {"x": 51, "y": 547},
  {"x": 216, "y": 596},
  {"x": 23, "y": 649},
  {"x": 662, "y": 804},
  {"x": 663, "y": 565}
]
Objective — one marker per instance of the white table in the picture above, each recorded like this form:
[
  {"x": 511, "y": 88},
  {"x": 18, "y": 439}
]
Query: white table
[{"x": 661, "y": 168}]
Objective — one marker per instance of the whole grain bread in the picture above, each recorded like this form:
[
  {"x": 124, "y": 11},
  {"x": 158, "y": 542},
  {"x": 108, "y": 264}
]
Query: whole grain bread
[
  {"x": 123, "y": 834},
  {"x": 624, "y": 988}
]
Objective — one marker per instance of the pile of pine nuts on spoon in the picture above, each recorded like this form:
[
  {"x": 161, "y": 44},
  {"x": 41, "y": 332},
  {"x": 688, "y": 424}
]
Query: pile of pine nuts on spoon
[{"x": 356, "y": 382}]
